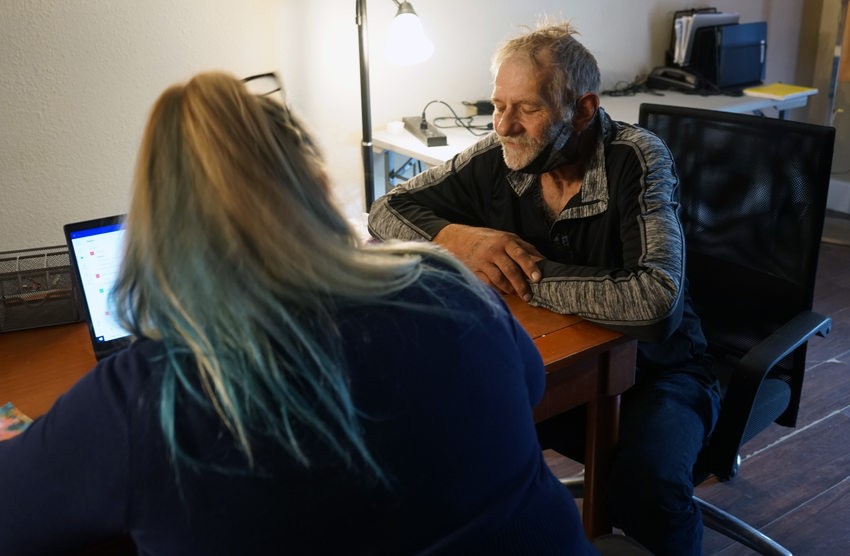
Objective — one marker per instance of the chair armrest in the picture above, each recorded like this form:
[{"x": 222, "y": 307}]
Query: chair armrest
[
  {"x": 756, "y": 363},
  {"x": 766, "y": 354},
  {"x": 746, "y": 379}
]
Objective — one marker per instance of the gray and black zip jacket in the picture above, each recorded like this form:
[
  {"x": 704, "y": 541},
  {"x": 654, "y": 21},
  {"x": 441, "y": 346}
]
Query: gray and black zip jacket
[{"x": 615, "y": 255}]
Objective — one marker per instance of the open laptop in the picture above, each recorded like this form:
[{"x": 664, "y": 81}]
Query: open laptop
[{"x": 95, "y": 248}]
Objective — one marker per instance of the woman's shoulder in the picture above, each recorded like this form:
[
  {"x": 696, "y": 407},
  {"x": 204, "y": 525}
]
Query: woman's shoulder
[
  {"x": 130, "y": 372},
  {"x": 143, "y": 352}
]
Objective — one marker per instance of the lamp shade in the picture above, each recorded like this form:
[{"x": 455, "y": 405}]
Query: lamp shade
[{"x": 407, "y": 43}]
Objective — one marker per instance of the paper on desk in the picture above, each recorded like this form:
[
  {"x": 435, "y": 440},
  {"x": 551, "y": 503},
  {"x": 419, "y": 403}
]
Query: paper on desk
[
  {"x": 679, "y": 33},
  {"x": 681, "y": 27},
  {"x": 686, "y": 26},
  {"x": 12, "y": 421}
]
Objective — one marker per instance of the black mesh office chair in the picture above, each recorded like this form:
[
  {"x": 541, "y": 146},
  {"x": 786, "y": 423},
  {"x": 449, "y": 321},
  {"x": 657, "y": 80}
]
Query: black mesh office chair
[{"x": 753, "y": 198}]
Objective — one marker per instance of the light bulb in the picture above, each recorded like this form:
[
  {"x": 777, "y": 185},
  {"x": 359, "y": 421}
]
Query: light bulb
[{"x": 407, "y": 43}]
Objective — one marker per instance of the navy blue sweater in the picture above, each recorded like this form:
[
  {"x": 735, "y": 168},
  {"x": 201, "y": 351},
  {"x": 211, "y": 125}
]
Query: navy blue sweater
[{"x": 446, "y": 399}]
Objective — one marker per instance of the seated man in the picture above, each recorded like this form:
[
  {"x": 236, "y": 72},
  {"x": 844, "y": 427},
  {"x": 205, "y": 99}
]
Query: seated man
[{"x": 578, "y": 213}]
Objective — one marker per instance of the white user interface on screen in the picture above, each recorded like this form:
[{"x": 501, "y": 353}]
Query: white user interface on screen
[{"x": 98, "y": 253}]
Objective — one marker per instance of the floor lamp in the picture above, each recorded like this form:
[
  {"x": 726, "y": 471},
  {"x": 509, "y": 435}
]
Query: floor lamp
[{"x": 407, "y": 45}]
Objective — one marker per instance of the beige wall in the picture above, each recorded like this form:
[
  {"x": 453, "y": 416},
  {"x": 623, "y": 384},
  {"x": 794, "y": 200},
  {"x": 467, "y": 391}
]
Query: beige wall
[
  {"x": 823, "y": 21},
  {"x": 80, "y": 75},
  {"x": 816, "y": 56},
  {"x": 840, "y": 189}
]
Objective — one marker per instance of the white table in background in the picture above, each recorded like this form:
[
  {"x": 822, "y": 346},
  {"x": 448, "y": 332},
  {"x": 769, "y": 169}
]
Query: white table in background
[{"x": 622, "y": 108}]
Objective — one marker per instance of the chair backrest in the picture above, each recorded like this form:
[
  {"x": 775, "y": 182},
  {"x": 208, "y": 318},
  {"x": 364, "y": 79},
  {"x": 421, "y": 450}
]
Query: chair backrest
[{"x": 752, "y": 203}]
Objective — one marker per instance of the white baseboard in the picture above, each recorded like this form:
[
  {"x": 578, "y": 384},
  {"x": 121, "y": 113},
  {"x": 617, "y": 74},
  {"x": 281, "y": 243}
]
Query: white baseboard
[{"x": 839, "y": 196}]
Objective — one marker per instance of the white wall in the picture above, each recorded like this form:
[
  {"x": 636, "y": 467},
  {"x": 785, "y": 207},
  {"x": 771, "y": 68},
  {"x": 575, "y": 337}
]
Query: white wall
[
  {"x": 79, "y": 76},
  {"x": 78, "y": 79}
]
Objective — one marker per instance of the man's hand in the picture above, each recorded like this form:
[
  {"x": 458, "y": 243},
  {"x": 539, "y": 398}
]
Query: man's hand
[{"x": 500, "y": 259}]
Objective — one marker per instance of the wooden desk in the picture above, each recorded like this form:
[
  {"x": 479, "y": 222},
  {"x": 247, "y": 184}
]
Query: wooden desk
[
  {"x": 627, "y": 108},
  {"x": 39, "y": 365},
  {"x": 585, "y": 364}
]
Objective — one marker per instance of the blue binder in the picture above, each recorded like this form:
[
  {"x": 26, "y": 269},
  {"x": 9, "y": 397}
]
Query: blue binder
[{"x": 731, "y": 55}]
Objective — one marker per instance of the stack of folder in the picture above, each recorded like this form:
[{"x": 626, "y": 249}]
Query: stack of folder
[{"x": 685, "y": 26}]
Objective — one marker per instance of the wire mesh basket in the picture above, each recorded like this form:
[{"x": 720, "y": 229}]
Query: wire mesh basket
[{"x": 36, "y": 289}]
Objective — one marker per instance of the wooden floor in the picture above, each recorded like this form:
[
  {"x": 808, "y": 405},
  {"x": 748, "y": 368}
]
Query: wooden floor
[{"x": 794, "y": 484}]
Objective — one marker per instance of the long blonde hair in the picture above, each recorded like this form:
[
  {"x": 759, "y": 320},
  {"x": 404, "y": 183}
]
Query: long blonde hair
[{"x": 236, "y": 258}]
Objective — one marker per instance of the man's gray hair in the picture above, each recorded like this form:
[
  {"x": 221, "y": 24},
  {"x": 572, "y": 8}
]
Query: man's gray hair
[{"x": 552, "y": 48}]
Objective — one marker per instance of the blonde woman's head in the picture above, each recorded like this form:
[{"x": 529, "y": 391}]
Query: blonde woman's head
[{"x": 237, "y": 258}]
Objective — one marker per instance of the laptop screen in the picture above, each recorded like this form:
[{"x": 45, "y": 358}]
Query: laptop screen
[{"x": 95, "y": 248}]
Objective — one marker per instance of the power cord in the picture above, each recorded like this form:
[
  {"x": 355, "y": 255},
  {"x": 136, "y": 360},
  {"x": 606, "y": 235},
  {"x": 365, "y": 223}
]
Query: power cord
[
  {"x": 639, "y": 85},
  {"x": 630, "y": 88},
  {"x": 711, "y": 89},
  {"x": 465, "y": 122}
]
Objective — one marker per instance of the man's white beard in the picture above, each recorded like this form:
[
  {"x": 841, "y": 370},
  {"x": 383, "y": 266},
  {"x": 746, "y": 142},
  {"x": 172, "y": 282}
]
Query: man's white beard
[{"x": 518, "y": 158}]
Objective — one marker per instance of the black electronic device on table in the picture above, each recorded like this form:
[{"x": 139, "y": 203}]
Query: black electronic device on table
[{"x": 95, "y": 250}]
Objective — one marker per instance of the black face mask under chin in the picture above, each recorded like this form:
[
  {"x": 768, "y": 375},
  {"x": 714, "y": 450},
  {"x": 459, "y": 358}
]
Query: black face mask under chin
[{"x": 555, "y": 154}]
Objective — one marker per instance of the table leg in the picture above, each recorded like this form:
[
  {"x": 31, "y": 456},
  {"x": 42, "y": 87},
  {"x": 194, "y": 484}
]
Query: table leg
[{"x": 603, "y": 419}]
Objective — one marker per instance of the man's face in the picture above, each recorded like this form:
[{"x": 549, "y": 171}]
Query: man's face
[{"x": 522, "y": 117}]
